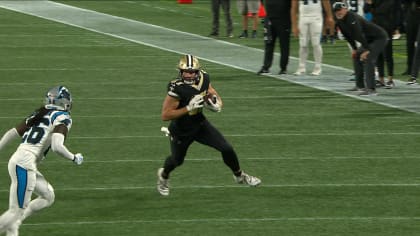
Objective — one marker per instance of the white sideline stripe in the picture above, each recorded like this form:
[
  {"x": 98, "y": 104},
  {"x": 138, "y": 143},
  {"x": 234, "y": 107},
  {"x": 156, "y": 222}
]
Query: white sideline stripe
[
  {"x": 217, "y": 159},
  {"x": 327, "y": 185},
  {"x": 160, "y": 98},
  {"x": 253, "y": 135},
  {"x": 234, "y": 220},
  {"x": 216, "y": 51}
]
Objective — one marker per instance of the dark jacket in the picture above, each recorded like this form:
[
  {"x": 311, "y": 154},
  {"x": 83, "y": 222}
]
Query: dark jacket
[
  {"x": 356, "y": 28},
  {"x": 278, "y": 8},
  {"x": 384, "y": 13}
]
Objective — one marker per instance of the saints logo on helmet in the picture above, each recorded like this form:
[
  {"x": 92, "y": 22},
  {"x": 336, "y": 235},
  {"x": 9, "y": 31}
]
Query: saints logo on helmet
[
  {"x": 58, "y": 98},
  {"x": 189, "y": 69}
]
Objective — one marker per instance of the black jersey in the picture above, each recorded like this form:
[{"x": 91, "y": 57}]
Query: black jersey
[{"x": 191, "y": 122}]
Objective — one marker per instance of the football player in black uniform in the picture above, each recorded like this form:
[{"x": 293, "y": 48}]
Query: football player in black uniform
[{"x": 183, "y": 106}]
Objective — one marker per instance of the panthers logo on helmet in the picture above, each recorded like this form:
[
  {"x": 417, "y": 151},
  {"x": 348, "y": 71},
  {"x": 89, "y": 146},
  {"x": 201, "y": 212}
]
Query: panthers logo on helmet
[{"x": 58, "y": 98}]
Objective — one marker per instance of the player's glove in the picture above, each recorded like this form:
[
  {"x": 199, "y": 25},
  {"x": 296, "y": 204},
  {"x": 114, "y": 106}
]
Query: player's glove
[
  {"x": 78, "y": 159},
  {"x": 213, "y": 104},
  {"x": 195, "y": 103}
]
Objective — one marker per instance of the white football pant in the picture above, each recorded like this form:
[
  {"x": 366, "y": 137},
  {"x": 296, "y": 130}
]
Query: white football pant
[
  {"x": 310, "y": 30},
  {"x": 23, "y": 183}
]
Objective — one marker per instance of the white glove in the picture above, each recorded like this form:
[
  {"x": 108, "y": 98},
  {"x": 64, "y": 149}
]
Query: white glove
[
  {"x": 78, "y": 159},
  {"x": 195, "y": 103},
  {"x": 213, "y": 104},
  {"x": 165, "y": 130}
]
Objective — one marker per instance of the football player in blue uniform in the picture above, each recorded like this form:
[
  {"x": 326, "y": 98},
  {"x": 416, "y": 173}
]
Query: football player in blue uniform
[
  {"x": 183, "y": 106},
  {"x": 46, "y": 128}
]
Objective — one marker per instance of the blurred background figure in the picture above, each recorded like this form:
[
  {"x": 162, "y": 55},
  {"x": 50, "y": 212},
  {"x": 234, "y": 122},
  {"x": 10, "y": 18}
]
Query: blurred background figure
[
  {"x": 307, "y": 20},
  {"x": 383, "y": 14},
  {"x": 412, "y": 11},
  {"x": 276, "y": 26},
  {"x": 246, "y": 7},
  {"x": 372, "y": 39},
  {"x": 215, "y": 9}
]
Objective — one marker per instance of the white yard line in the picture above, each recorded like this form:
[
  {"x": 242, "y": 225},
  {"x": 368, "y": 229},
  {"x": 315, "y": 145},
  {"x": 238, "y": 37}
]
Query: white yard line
[
  {"x": 233, "y": 220},
  {"x": 309, "y": 185},
  {"x": 224, "y": 53}
]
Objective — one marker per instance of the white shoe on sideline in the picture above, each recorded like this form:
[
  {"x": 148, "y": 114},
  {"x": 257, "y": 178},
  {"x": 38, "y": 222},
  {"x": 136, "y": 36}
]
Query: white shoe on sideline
[
  {"x": 300, "y": 71},
  {"x": 162, "y": 183},
  {"x": 316, "y": 72},
  {"x": 247, "y": 179}
]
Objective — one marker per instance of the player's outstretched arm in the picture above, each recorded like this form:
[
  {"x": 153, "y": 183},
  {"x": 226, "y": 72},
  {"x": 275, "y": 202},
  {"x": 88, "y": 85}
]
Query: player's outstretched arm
[
  {"x": 12, "y": 134},
  {"x": 57, "y": 145}
]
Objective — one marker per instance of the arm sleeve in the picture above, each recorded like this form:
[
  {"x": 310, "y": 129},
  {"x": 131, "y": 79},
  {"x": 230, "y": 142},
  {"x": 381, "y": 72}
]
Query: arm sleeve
[
  {"x": 57, "y": 145},
  {"x": 10, "y": 135}
]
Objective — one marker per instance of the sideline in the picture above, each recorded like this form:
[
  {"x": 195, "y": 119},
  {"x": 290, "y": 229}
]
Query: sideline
[{"x": 402, "y": 97}]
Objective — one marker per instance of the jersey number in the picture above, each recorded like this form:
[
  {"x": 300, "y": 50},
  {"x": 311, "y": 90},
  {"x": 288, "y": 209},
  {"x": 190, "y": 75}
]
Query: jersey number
[
  {"x": 306, "y": 2},
  {"x": 35, "y": 133}
]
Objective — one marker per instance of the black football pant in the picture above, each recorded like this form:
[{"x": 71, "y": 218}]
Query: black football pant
[{"x": 207, "y": 135}]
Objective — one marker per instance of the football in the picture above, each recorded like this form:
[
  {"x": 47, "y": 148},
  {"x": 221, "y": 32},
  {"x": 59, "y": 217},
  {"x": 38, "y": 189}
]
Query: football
[{"x": 210, "y": 98}]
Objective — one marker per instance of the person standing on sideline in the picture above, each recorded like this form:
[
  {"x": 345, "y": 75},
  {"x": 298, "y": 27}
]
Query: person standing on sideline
[
  {"x": 372, "y": 39},
  {"x": 307, "y": 19},
  {"x": 383, "y": 13},
  {"x": 183, "y": 106},
  {"x": 46, "y": 128},
  {"x": 215, "y": 9},
  {"x": 245, "y": 7},
  {"x": 413, "y": 38},
  {"x": 276, "y": 25}
]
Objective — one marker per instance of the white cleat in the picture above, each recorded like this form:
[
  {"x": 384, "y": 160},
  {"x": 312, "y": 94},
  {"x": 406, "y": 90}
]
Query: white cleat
[
  {"x": 162, "y": 183},
  {"x": 247, "y": 179},
  {"x": 316, "y": 72},
  {"x": 300, "y": 72}
]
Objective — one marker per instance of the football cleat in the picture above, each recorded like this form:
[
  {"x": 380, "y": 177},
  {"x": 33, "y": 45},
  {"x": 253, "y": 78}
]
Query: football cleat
[
  {"x": 162, "y": 183},
  {"x": 244, "y": 178}
]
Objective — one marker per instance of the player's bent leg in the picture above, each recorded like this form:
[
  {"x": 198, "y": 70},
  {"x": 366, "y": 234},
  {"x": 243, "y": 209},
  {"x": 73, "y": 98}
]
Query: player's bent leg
[
  {"x": 9, "y": 219},
  {"x": 46, "y": 197},
  {"x": 14, "y": 229}
]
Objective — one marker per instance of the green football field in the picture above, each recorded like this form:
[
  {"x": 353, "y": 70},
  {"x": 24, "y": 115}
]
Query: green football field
[{"x": 330, "y": 164}]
